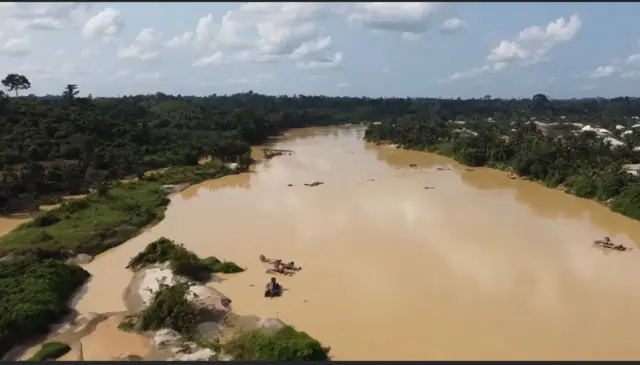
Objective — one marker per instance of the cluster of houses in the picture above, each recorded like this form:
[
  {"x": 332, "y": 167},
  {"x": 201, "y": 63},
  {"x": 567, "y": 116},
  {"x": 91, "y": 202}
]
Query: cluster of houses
[{"x": 605, "y": 134}]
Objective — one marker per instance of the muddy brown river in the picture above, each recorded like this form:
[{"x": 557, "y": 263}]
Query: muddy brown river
[{"x": 478, "y": 267}]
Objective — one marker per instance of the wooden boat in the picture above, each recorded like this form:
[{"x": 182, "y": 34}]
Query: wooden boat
[
  {"x": 276, "y": 272},
  {"x": 610, "y": 245}
]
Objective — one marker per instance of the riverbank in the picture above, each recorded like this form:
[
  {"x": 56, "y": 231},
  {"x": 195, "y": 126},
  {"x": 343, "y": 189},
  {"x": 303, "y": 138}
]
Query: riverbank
[
  {"x": 75, "y": 232},
  {"x": 615, "y": 190},
  {"x": 171, "y": 316}
]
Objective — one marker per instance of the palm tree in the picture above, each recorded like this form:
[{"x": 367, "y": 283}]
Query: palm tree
[{"x": 70, "y": 91}]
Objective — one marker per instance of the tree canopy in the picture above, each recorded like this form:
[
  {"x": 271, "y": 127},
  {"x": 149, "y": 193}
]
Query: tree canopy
[{"x": 66, "y": 144}]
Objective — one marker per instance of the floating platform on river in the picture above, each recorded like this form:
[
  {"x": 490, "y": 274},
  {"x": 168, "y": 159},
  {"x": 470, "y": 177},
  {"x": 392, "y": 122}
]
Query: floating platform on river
[{"x": 610, "y": 245}]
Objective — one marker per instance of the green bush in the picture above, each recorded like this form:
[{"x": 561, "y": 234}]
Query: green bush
[
  {"x": 628, "y": 202},
  {"x": 50, "y": 351},
  {"x": 287, "y": 344},
  {"x": 170, "y": 308},
  {"x": 181, "y": 261},
  {"x": 34, "y": 294}
]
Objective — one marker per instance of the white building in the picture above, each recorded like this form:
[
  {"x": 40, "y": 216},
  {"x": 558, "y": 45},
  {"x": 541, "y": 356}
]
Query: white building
[
  {"x": 465, "y": 131},
  {"x": 599, "y": 131},
  {"x": 633, "y": 169},
  {"x": 613, "y": 142}
]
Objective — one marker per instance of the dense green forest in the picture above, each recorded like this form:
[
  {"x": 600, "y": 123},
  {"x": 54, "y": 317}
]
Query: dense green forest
[
  {"x": 64, "y": 145},
  {"x": 560, "y": 156}
]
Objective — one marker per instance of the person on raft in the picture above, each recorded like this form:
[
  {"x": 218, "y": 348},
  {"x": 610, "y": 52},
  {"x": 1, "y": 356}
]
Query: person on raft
[
  {"x": 279, "y": 267},
  {"x": 272, "y": 289},
  {"x": 607, "y": 241}
]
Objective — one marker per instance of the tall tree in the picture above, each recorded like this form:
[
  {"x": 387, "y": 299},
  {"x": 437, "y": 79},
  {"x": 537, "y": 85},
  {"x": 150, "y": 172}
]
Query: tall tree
[
  {"x": 70, "y": 91},
  {"x": 15, "y": 82}
]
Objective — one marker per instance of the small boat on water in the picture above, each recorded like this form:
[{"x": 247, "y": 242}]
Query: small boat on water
[{"x": 606, "y": 243}]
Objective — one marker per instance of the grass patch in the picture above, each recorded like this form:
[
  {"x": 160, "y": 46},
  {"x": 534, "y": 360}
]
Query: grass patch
[
  {"x": 99, "y": 222},
  {"x": 181, "y": 261},
  {"x": 50, "y": 351},
  {"x": 287, "y": 344},
  {"x": 191, "y": 174},
  {"x": 128, "y": 324},
  {"x": 34, "y": 294},
  {"x": 91, "y": 225}
]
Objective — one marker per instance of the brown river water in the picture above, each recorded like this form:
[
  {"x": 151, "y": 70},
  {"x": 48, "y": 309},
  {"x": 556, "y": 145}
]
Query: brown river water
[{"x": 479, "y": 267}]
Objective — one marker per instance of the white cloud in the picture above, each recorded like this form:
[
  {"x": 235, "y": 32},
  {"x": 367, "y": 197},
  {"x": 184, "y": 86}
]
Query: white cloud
[
  {"x": 88, "y": 52},
  {"x": 214, "y": 59},
  {"x": 146, "y": 77},
  {"x": 499, "y": 66},
  {"x": 243, "y": 80},
  {"x": 454, "y": 25},
  {"x": 68, "y": 72},
  {"x": 507, "y": 51},
  {"x": 251, "y": 80},
  {"x": 410, "y": 19},
  {"x": 43, "y": 16},
  {"x": 17, "y": 47},
  {"x": 107, "y": 23},
  {"x": 231, "y": 32},
  {"x": 289, "y": 13},
  {"x": 603, "y": 71},
  {"x": 180, "y": 40},
  {"x": 45, "y": 24},
  {"x": 264, "y": 32},
  {"x": 204, "y": 30},
  {"x": 412, "y": 36},
  {"x": 143, "y": 48},
  {"x": 534, "y": 44},
  {"x": 633, "y": 60},
  {"x": 251, "y": 56},
  {"x": 282, "y": 39},
  {"x": 37, "y": 71},
  {"x": 559, "y": 30},
  {"x": 333, "y": 62},
  {"x": 136, "y": 52},
  {"x": 629, "y": 69},
  {"x": 343, "y": 85},
  {"x": 476, "y": 72},
  {"x": 121, "y": 75},
  {"x": 633, "y": 74},
  {"x": 313, "y": 47},
  {"x": 148, "y": 36}
]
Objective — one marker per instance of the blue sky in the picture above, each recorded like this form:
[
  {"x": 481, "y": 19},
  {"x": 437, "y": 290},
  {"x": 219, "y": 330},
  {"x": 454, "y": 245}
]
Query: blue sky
[{"x": 357, "y": 49}]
